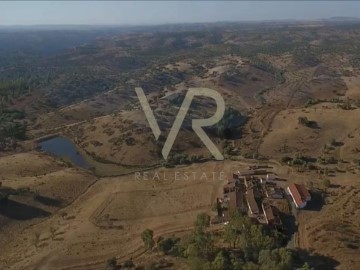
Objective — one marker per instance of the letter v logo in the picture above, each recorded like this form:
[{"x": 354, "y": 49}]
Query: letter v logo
[{"x": 197, "y": 124}]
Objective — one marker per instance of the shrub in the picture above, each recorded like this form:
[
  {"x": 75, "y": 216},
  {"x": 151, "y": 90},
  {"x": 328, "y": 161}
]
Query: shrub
[
  {"x": 202, "y": 221},
  {"x": 304, "y": 121},
  {"x": 326, "y": 183},
  {"x": 286, "y": 159},
  {"x": 129, "y": 264},
  {"x": 111, "y": 263},
  {"x": 147, "y": 237},
  {"x": 168, "y": 246}
]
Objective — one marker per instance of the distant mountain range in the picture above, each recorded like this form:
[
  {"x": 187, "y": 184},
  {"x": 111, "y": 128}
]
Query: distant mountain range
[
  {"x": 125, "y": 28},
  {"x": 342, "y": 19}
]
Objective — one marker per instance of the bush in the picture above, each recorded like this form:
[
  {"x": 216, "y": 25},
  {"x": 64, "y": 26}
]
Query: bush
[
  {"x": 286, "y": 159},
  {"x": 169, "y": 246},
  {"x": 129, "y": 264},
  {"x": 202, "y": 221},
  {"x": 326, "y": 183},
  {"x": 304, "y": 121},
  {"x": 147, "y": 237},
  {"x": 111, "y": 263},
  {"x": 302, "y": 160},
  {"x": 178, "y": 158}
]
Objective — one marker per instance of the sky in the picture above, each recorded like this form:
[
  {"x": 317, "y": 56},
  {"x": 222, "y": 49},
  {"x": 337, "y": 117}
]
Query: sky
[{"x": 162, "y": 12}]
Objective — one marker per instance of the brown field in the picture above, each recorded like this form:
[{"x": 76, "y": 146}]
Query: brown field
[
  {"x": 113, "y": 211},
  {"x": 44, "y": 175},
  {"x": 287, "y": 136},
  {"x": 116, "y": 210},
  {"x": 334, "y": 231}
]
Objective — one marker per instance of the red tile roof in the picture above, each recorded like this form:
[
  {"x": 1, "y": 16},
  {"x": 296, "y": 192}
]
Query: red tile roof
[
  {"x": 300, "y": 194},
  {"x": 303, "y": 192}
]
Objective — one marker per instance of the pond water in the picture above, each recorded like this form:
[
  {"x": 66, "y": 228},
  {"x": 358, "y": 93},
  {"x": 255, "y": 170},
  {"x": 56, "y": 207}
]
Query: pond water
[{"x": 64, "y": 148}]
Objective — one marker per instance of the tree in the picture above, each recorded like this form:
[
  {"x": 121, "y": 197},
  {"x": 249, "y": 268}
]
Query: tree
[
  {"x": 199, "y": 245},
  {"x": 202, "y": 221},
  {"x": 250, "y": 266},
  {"x": 231, "y": 123},
  {"x": 147, "y": 237},
  {"x": 221, "y": 262},
  {"x": 231, "y": 235},
  {"x": 167, "y": 245},
  {"x": 196, "y": 263},
  {"x": 305, "y": 267},
  {"x": 237, "y": 225},
  {"x": 303, "y": 121},
  {"x": 276, "y": 259},
  {"x": 129, "y": 264},
  {"x": 217, "y": 207}
]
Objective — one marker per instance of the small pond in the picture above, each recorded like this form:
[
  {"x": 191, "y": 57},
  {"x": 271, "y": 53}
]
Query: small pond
[{"x": 65, "y": 149}]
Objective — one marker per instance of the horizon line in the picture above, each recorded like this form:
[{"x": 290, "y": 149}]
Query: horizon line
[{"x": 341, "y": 18}]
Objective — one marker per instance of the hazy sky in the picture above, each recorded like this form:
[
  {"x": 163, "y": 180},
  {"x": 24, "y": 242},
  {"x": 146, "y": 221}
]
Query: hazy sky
[{"x": 157, "y": 12}]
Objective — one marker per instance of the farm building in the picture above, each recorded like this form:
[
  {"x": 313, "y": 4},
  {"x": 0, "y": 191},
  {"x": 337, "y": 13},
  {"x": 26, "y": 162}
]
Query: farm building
[
  {"x": 251, "y": 202},
  {"x": 273, "y": 192},
  {"x": 250, "y": 192},
  {"x": 299, "y": 194},
  {"x": 234, "y": 195}
]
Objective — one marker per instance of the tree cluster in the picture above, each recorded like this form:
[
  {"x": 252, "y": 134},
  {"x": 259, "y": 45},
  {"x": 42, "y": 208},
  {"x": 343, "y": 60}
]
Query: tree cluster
[
  {"x": 229, "y": 127},
  {"x": 249, "y": 246}
]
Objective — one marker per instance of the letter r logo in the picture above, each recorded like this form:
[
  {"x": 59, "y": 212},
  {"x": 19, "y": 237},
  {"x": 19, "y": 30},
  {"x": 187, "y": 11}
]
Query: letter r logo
[{"x": 197, "y": 124}]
